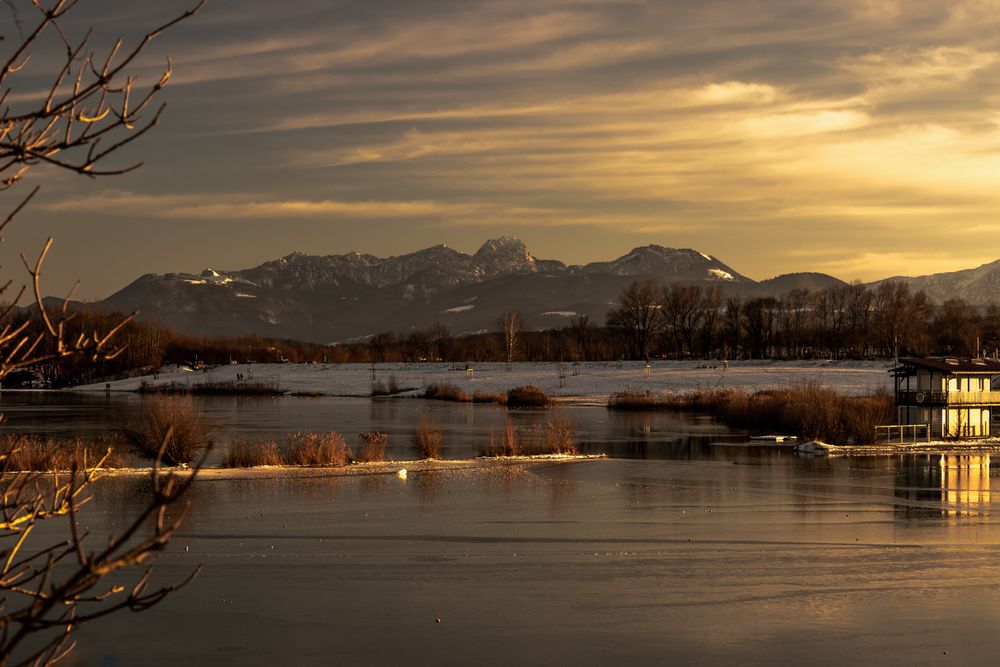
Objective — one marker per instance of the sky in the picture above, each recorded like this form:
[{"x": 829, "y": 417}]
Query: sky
[{"x": 859, "y": 138}]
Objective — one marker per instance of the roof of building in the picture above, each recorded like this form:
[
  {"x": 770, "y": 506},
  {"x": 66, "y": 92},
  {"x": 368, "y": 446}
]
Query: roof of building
[{"x": 948, "y": 365}]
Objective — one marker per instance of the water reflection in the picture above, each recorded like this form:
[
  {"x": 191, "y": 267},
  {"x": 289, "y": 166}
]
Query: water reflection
[
  {"x": 965, "y": 483},
  {"x": 944, "y": 485}
]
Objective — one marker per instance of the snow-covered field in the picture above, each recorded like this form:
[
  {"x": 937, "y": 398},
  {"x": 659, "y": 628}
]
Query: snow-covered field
[{"x": 586, "y": 380}]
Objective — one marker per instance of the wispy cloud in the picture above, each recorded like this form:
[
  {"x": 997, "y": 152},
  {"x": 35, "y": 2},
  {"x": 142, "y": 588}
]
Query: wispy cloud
[{"x": 869, "y": 127}]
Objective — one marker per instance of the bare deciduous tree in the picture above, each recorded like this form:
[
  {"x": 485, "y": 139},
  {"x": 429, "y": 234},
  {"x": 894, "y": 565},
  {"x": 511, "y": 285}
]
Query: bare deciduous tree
[
  {"x": 90, "y": 108},
  {"x": 510, "y": 327},
  {"x": 637, "y": 318}
]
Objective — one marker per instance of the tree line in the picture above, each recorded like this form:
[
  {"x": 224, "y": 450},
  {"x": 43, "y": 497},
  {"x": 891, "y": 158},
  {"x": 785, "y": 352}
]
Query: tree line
[
  {"x": 677, "y": 321},
  {"x": 839, "y": 322}
]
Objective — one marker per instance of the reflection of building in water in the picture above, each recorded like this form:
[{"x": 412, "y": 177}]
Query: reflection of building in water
[
  {"x": 933, "y": 485},
  {"x": 965, "y": 483}
]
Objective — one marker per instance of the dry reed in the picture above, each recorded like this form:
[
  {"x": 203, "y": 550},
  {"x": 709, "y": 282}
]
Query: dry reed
[
  {"x": 23, "y": 452},
  {"x": 316, "y": 449},
  {"x": 243, "y": 453},
  {"x": 446, "y": 392},
  {"x": 372, "y": 447},
  {"x": 428, "y": 438},
  {"x": 527, "y": 397},
  {"x": 808, "y": 410}
]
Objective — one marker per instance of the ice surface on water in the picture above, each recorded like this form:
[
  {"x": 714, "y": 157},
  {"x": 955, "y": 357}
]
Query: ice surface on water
[{"x": 745, "y": 560}]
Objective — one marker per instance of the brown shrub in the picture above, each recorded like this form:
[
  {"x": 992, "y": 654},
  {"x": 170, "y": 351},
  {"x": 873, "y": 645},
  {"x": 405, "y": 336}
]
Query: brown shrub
[
  {"x": 372, "y": 447},
  {"x": 527, "y": 397},
  {"x": 316, "y": 449},
  {"x": 427, "y": 439},
  {"x": 175, "y": 417}
]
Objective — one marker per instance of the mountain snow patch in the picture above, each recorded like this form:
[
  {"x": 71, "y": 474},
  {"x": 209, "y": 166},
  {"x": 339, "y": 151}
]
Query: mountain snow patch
[
  {"x": 708, "y": 257},
  {"x": 719, "y": 274},
  {"x": 458, "y": 309}
]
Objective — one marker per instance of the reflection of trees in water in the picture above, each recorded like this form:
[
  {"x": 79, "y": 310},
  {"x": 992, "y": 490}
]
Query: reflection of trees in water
[{"x": 943, "y": 485}]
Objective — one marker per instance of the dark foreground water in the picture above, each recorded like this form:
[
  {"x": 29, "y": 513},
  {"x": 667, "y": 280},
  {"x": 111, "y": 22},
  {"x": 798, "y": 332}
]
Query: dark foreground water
[
  {"x": 777, "y": 560},
  {"x": 692, "y": 548}
]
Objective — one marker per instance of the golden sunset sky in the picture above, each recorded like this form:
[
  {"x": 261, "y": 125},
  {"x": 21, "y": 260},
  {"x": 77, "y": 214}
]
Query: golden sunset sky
[{"x": 859, "y": 138}]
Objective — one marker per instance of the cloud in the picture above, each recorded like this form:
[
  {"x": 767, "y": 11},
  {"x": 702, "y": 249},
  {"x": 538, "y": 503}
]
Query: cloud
[
  {"x": 756, "y": 124},
  {"x": 248, "y": 207}
]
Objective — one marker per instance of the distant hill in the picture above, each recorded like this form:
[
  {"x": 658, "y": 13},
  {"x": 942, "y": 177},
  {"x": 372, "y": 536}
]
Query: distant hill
[
  {"x": 338, "y": 298},
  {"x": 978, "y": 286},
  {"x": 345, "y": 297},
  {"x": 784, "y": 284}
]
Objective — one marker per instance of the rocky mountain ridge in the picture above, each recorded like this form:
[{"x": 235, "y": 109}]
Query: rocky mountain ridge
[{"x": 347, "y": 297}]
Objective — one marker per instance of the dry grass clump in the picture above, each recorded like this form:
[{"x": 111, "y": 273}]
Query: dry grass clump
[
  {"x": 176, "y": 416},
  {"x": 559, "y": 437},
  {"x": 316, "y": 449},
  {"x": 446, "y": 392},
  {"x": 24, "y": 452},
  {"x": 372, "y": 447},
  {"x": 243, "y": 453},
  {"x": 555, "y": 438},
  {"x": 506, "y": 443},
  {"x": 428, "y": 438},
  {"x": 527, "y": 397},
  {"x": 809, "y": 410}
]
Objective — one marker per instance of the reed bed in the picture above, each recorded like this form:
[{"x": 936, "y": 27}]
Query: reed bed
[
  {"x": 480, "y": 396},
  {"x": 527, "y": 397},
  {"x": 373, "y": 444},
  {"x": 446, "y": 392},
  {"x": 244, "y": 388},
  {"x": 299, "y": 449},
  {"x": 449, "y": 392},
  {"x": 809, "y": 411},
  {"x": 243, "y": 453},
  {"x": 316, "y": 449},
  {"x": 24, "y": 452},
  {"x": 555, "y": 438}
]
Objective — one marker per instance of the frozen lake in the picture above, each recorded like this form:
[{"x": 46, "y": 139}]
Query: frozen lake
[{"x": 733, "y": 560}]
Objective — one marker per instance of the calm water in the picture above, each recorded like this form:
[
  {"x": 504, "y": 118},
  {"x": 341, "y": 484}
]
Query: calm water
[
  {"x": 706, "y": 555},
  {"x": 466, "y": 427}
]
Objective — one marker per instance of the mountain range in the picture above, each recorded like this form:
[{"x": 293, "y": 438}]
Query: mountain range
[{"x": 347, "y": 297}]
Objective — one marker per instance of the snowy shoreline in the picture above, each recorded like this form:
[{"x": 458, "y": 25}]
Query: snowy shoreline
[
  {"x": 567, "y": 382},
  {"x": 396, "y": 468}
]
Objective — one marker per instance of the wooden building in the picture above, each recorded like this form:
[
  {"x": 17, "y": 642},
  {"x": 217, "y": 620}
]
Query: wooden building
[{"x": 953, "y": 396}]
